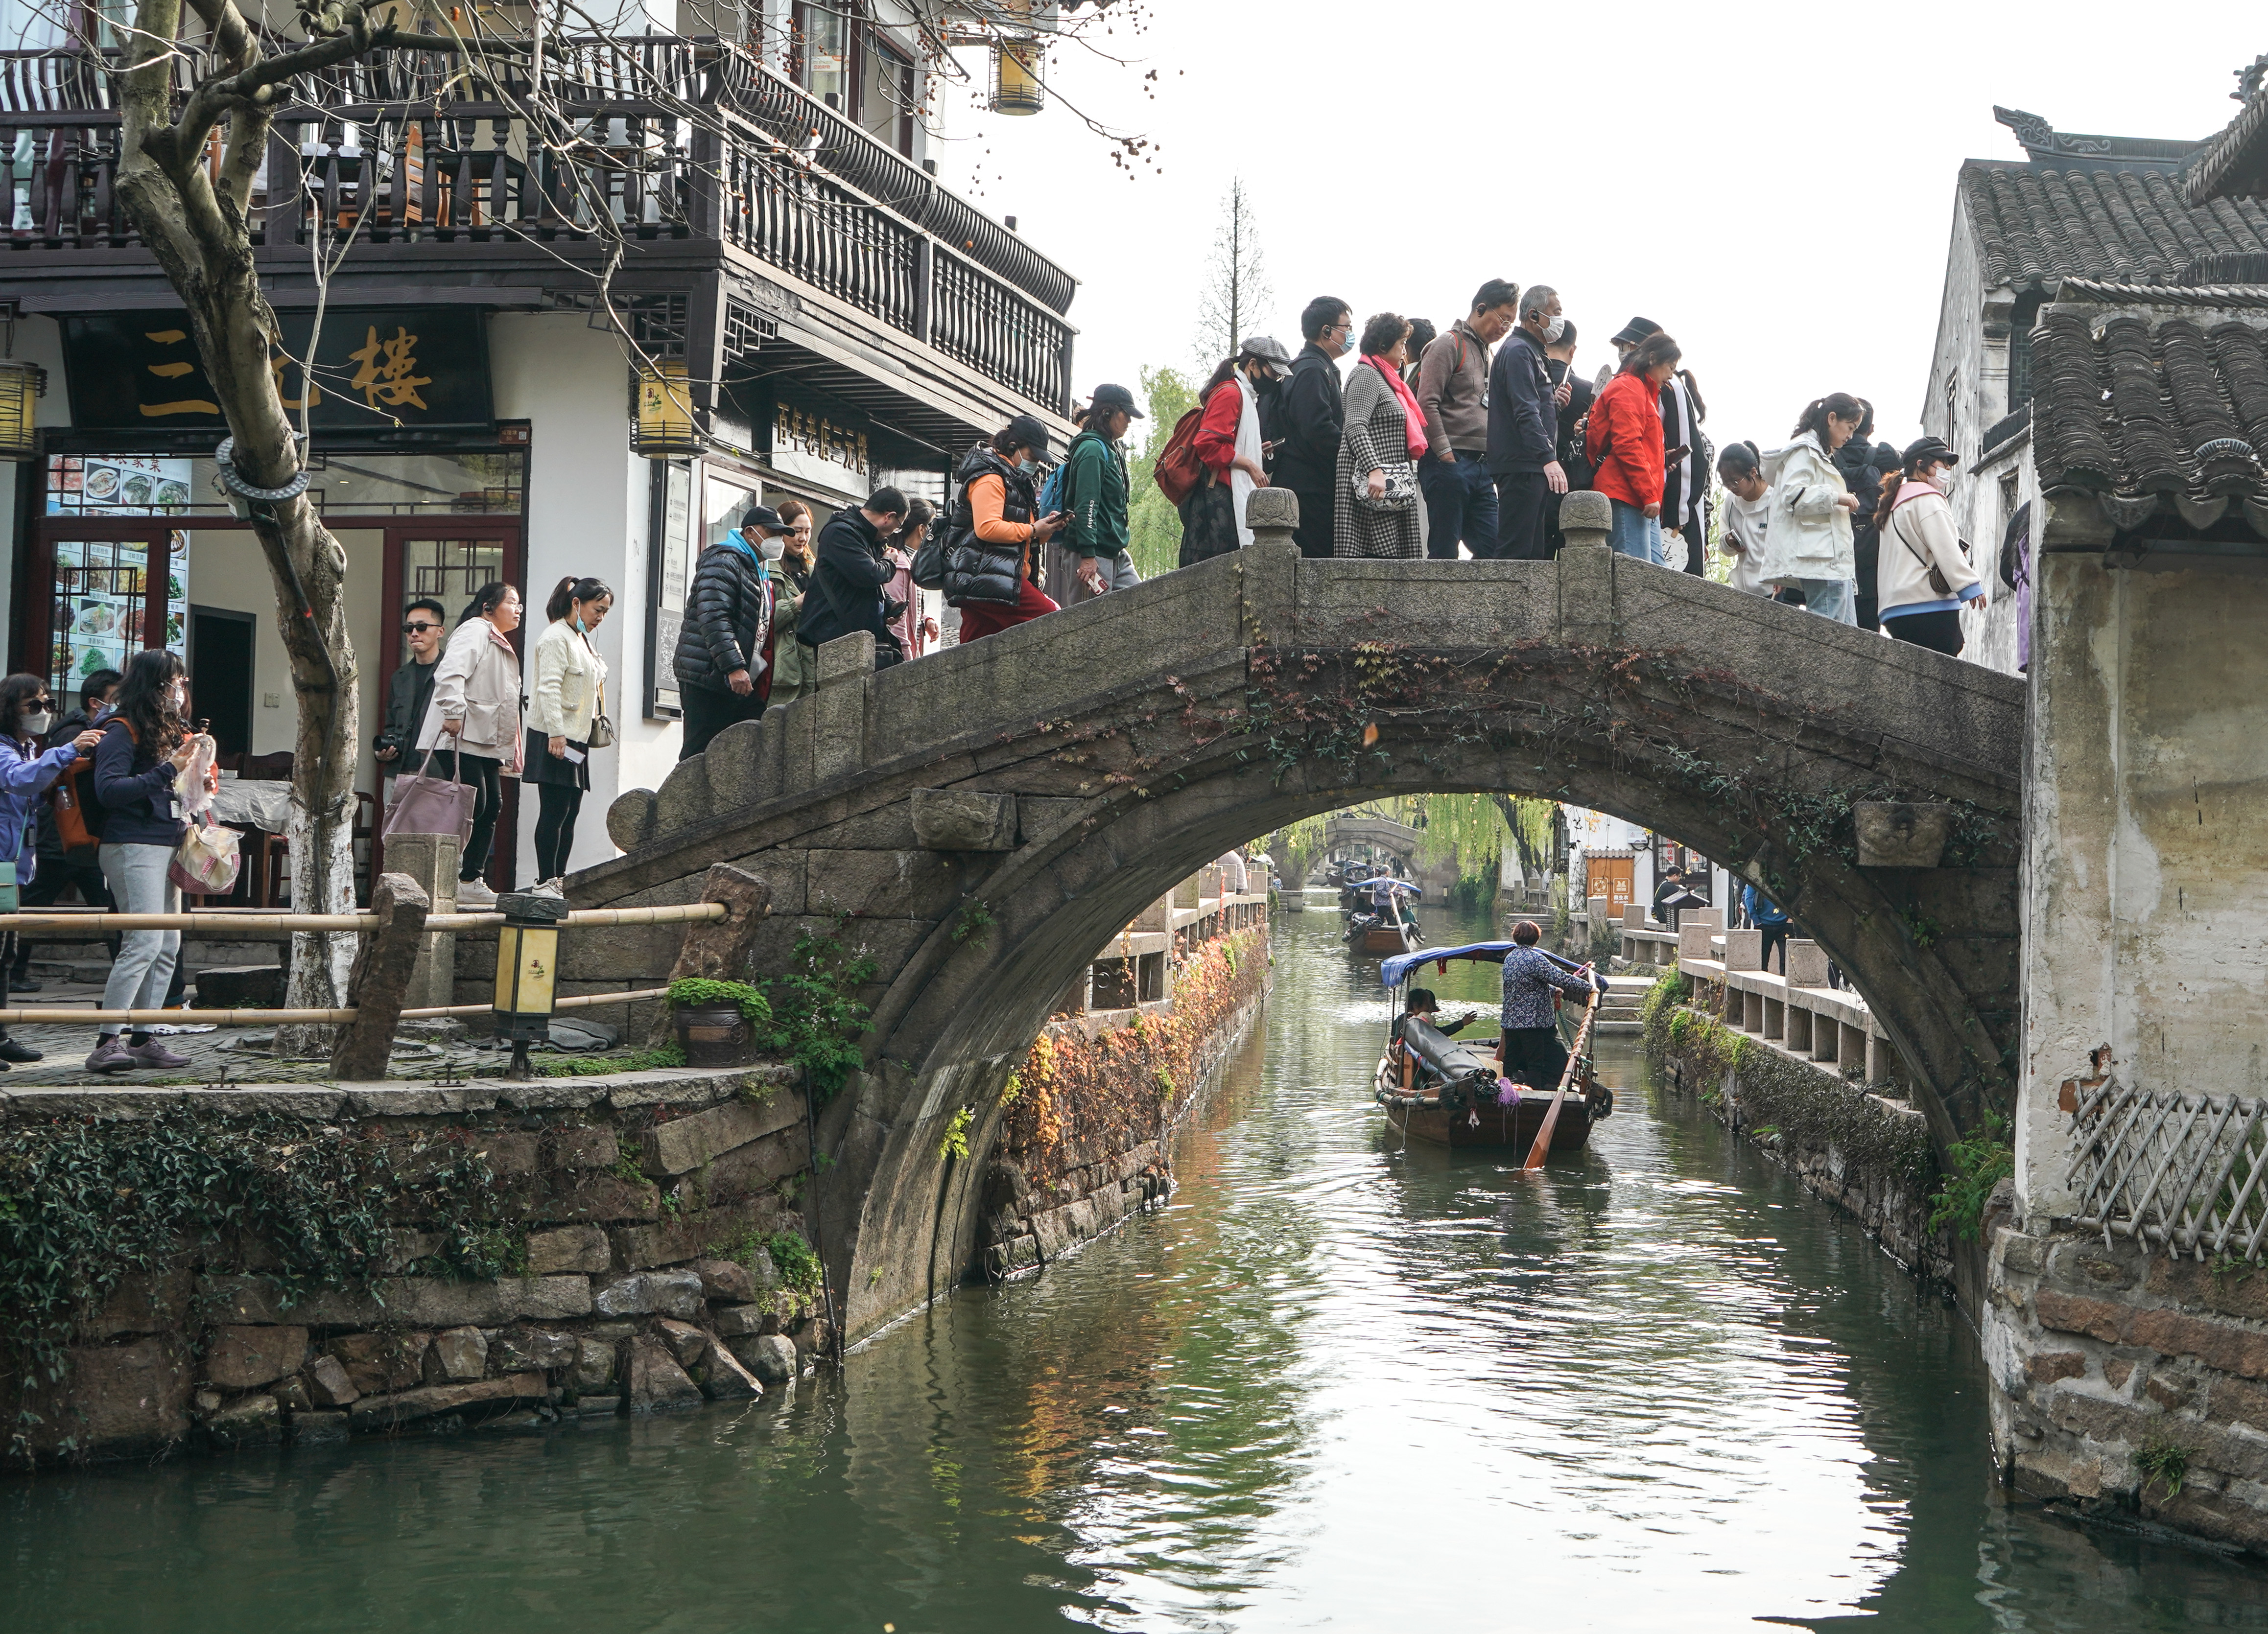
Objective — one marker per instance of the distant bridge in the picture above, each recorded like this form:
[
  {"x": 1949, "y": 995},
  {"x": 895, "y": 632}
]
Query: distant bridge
[{"x": 1350, "y": 829}]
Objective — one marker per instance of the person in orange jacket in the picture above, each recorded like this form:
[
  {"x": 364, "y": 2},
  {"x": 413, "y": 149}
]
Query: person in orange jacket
[{"x": 1624, "y": 444}]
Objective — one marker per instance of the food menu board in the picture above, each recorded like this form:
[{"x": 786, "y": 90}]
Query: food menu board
[
  {"x": 106, "y": 605},
  {"x": 117, "y": 485}
]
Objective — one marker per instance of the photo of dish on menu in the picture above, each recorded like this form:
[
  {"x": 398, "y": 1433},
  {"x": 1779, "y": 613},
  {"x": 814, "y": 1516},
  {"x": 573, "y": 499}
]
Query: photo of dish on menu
[
  {"x": 101, "y": 615},
  {"x": 118, "y": 485}
]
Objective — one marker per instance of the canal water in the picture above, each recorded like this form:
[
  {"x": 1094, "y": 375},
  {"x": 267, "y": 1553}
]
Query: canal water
[{"x": 1336, "y": 1385}]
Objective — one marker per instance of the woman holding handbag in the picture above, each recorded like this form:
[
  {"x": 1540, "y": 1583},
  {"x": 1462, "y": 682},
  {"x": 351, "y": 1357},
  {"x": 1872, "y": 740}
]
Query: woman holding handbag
[
  {"x": 566, "y": 710},
  {"x": 1923, "y": 568},
  {"x": 1379, "y": 446},
  {"x": 146, "y": 748},
  {"x": 26, "y": 712},
  {"x": 476, "y": 708}
]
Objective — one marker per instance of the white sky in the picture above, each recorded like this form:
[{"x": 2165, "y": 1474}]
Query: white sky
[{"x": 1738, "y": 181}]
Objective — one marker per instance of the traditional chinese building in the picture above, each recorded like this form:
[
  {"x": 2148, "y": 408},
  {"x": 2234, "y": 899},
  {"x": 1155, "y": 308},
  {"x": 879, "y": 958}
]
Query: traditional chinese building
[{"x": 820, "y": 316}]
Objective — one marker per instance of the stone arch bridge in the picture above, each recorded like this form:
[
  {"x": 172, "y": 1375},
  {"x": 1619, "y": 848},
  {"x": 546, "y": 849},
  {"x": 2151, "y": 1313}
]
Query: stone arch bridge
[
  {"x": 990, "y": 817},
  {"x": 1350, "y": 828}
]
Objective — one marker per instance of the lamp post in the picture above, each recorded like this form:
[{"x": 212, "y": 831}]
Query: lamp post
[{"x": 526, "y": 973}]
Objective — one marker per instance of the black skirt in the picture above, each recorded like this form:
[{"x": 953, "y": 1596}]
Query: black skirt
[{"x": 537, "y": 763}]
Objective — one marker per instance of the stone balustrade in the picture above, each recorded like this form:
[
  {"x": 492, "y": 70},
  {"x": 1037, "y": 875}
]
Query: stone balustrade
[{"x": 1797, "y": 1012}]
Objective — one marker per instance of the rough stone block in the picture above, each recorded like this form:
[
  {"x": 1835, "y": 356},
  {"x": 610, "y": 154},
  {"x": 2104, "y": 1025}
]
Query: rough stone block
[
  {"x": 2221, "y": 1345},
  {"x": 2097, "y": 1319},
  {"x": 846, "y": 657},
  {"x": 654, "y": 1381},
  {"x": 520, "y": 1350},
  {"x": 771, "y": 1357},
  {"x": 685, "y": 1340},
  {"x": 432, "y": 1302},
  {"x": 722, "y": 1377},
  {"x": 319, "y": 1429},
  {"x": 695, "y": 1236},
  {"x": 646, "y": 1293},
  {"x": 375, "y": 1364},
  {"x": 244, "y": 1358},
  {"x": 582, "y": 1248},
  {"x": 683, "y": 1144},
  {"x": 592, "y": 1146},
  {"x": 2050, "y": 1365},
  {"x": 1744, "y": 949},
  {"x": 602, "y": 1198},
  {"x": 745, "y": 1171},
  {"x": 386, "y": 1412},
  {"x": 1693, "y": 941},
  {"x": 1807, "y": 963},
  {"x": 964, "y": 820},
  {"x": 594, "y": 1365},
  {"x": 2019, "y": 1255},
  {"x": 248, "y": 1421},
  {"x": 2234, "y": 1401},
  {"x": 455, "y": 1356},
  {"x": 327, "y": 1383},
  {"x": 724, "y": 1280},
  {"x": 116, "y": 1399},
  {"x": 291, "y": 1393},
  {"x": 1901, "y": 834},
  {"x": 739, "y": 1321}
]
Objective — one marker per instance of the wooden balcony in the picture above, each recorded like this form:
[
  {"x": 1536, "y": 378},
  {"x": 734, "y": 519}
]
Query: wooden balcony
[{"x": 692, "y": 153}]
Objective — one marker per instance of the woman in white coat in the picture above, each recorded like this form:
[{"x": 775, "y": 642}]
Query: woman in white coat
[
  {"x": 476, "y": 711},
  {"x": 564, "y": 699},
  {"x": 1807, "y": 545},
  {"x": 1919, "y": 540}
]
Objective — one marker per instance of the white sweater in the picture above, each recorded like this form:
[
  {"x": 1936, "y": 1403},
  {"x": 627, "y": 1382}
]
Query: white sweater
[
  {"x": 568, "y": 675},
  {"x": 1921, "y": 535}
]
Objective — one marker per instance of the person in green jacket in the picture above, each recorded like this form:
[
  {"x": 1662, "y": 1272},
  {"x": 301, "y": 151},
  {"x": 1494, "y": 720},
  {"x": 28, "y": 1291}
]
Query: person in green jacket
[{"x": 1089, "y": 556}]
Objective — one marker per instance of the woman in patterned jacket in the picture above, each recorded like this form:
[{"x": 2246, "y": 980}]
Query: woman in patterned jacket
[
  {"x": 1531, "y": 1051},
  {"x": 1379, "y": 446}
]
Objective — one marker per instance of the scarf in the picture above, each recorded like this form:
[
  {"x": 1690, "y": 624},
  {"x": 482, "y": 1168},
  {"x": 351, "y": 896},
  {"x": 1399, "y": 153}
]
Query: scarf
[
  {"x": 1249, "y": 446},
  {"x": 1411, "y": 412}
]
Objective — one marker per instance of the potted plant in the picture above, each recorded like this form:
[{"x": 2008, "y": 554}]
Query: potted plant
[{"x": 717, "y": 1022}]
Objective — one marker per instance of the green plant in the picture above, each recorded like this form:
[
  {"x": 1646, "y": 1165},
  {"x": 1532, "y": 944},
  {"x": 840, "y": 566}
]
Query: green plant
[
  {"x": 798, "y": 1266},
  {"x": 815, "y": 1022},
  {"x": 955, "y": 1144},
  {"x": 1982, "y": 1159},
  {"x": 629, "y": 1160},
  {"x": 972, "y": 924},
  {"x": 666, "y": 1056},
  {"x": 697, "y": 992},
  {"x": 2166, "y": 1463},
  {"x": 1165, "y": 1082}
]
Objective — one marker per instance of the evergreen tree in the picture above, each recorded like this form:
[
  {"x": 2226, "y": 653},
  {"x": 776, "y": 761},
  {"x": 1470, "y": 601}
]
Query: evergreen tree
[{"x": 1236, "y": 287}]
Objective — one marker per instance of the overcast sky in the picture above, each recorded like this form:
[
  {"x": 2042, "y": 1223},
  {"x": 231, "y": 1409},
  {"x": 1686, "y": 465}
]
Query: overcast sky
[{"x": 1777, "y": 190}]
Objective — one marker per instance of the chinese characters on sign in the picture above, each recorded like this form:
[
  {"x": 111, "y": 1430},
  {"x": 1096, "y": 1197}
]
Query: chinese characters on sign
[{"x": 392, "y": 381}]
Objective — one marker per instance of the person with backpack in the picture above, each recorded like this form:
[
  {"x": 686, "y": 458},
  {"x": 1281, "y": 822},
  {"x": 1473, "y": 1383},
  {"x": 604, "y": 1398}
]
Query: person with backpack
[
  {"x": 145, "y": 748},
  {"x": 26, "y": 772},
  {"x": 65, "y": 862},
  {"x": 1090, "y": 556},
  {"x": 1926, "y": 575},
  {"x": 996, "y": 522},
  {"x": 1453, "y": 378},
  {"x": 1233, "y": 449}
]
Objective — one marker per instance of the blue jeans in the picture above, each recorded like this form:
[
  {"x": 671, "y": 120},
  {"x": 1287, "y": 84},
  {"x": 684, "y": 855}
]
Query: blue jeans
[
  {"x": 1460, "y": 503},
  {"x": 1635, "y": 534},
  {"x": 1831, "y": 598}
]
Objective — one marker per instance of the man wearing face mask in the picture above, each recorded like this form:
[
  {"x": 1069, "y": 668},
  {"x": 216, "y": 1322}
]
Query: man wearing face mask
[
  {"x": 1311, "y": 421},
  {"x": 1524, "y": 431},
  {"x": 1452, "y": 392},
  {"x": 722, "y": 674}
]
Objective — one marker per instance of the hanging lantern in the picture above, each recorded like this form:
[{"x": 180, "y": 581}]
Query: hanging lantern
[
  {"x": 661, "y": 411},
  {"x": 527, "y": 972},
  {"x": 1016, "y": 87},
  {"x": 21, "y": 387}
]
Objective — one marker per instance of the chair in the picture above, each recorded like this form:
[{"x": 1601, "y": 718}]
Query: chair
[{"x": 274, "y": 768}]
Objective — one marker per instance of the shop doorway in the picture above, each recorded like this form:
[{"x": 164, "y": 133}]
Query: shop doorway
[{"x": 220, "y": 657}]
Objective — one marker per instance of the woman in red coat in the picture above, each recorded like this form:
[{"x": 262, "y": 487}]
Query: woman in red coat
[{"x": 1624, "y": 444}]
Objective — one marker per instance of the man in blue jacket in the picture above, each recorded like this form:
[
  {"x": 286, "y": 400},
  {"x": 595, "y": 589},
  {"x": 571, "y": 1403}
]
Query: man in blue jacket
[{"x": 1524, "y": 431}]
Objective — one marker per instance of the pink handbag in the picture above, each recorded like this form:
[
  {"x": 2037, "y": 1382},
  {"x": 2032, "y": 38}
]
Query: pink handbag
[{"x": 428, "y": 804}]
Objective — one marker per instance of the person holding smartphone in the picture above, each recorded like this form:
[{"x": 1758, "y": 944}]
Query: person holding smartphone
[{"x": 988, "y": 556}]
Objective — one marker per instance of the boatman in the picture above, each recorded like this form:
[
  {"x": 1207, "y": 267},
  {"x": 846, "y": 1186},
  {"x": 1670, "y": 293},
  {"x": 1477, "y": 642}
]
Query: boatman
[{"x": 1531, "y": 1052}]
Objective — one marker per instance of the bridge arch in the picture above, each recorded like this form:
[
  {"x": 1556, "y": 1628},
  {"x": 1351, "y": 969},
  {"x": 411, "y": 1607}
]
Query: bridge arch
[
  {"x": 1352, "y": 829},
  {"x": 1117, "y": 747}
]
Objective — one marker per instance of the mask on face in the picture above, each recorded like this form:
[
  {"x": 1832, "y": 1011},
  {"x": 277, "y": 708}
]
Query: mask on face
[
  {"x": 36, "y": 724},
  {"x": 1027, "y": 464},
  {"x": 772, "y": 549},
  {"x": 1944, "y": 479},
  {"x": 179, "y": 696},
  {"x": 1554, "y": 329}
]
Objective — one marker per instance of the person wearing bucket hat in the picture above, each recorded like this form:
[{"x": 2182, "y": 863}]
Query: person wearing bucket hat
[
  {"x": 1925, "y": 576},
  {"x": 1090, "y": 556},
  {"x": 723, "y": 675}
]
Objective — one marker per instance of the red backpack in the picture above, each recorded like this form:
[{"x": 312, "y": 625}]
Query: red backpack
[{"x": 1178, "y": 471}]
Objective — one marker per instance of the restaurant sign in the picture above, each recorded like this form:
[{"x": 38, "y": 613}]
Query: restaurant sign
[{"x": 380, "y": 369}]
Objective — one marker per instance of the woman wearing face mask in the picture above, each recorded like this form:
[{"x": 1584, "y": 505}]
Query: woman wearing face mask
[
  {"x": 914, "y": 631},
  {"x": 996, "y": 531},
  {"x": 1230, "y": 441},
  {"x": 26, "y": 712},
  {"x": 1810, "y": 546},
  {"x": 476, "y": 708},
  {"x": 1380, "y": 445},
  {"x": 565, "y": 696},
  {"x": 1925, "y": 574},
  {"x": 790, "y": 575},
  {"x": 145, "y": 747}
]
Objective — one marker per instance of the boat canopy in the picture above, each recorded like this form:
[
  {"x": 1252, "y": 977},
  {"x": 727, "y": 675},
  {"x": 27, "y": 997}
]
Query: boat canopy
[{"x": 1398, "y": 967}]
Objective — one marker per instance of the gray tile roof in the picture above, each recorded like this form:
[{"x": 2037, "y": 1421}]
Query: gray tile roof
[
  {"x": 2137, "y": 403},
  {"x": 2034, "y": 225}
]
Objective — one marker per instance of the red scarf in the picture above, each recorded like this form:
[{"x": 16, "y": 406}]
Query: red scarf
[{"x": 1410, "y": 409}]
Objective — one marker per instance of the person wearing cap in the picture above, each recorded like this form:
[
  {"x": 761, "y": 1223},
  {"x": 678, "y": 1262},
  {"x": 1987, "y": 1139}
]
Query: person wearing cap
[
  {"x": 1312, "y": 419},
  {"x": 1453, "y": 379},
  {"x": 1230, "y": 443},
  {"x": 1524, "y": 431},
  {"x": 723, "y": 672},
  {"x": 995, "y": 526},
  {"x": 1622, "y": 340},
  {"x": 1090, "y": 555},
  {"x": 1926, "y": 575}
]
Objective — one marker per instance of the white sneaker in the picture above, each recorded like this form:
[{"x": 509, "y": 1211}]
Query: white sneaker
[
  {"x": 475, "y": 894},
  {"x": 555, "y": 885}
]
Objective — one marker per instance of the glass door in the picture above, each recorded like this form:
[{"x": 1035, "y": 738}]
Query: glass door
[{"x": 109, "y": 597}]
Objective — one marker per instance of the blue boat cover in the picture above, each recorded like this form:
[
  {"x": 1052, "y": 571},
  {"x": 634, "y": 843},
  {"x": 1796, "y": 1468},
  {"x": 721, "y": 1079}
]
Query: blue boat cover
[{"x": 1395, "y": 969}]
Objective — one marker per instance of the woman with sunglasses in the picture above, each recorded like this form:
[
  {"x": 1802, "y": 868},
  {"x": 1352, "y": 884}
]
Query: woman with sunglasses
[{"x": 26, "y": 712}]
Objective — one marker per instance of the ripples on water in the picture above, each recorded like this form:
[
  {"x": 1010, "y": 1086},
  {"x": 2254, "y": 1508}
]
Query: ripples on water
[{"x": 1336, "y": 1385}]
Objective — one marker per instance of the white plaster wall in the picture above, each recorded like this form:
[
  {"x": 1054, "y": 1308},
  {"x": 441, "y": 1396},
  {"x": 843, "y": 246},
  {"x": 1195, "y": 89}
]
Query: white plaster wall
[
  {"x": 39, "y": 339},
  {"x": 588, "y": 512}
]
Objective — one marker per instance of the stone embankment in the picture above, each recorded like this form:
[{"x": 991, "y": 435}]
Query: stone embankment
[
  {"x": 1853, "y": 1141},
  {"x": 642, "y": 1234},
  {"x": 1087, "y": 1139}
]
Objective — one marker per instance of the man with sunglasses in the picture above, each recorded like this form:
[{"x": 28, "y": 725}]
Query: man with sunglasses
[
  {"x": 1311, "y": 415},
  {"x": 426, "y": 625}
]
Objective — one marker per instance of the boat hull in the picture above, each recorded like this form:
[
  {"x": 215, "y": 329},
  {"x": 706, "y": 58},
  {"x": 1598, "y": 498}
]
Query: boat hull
[{"x": 1497, "y": 1128}]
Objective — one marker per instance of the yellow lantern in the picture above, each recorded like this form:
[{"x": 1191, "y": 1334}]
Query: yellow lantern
[
  {"x": 661, "y": 411},
  {"x": 527, "y": 972},
  {"x": 1016, "y": 87},
  {"x": 21, "y": 387}
]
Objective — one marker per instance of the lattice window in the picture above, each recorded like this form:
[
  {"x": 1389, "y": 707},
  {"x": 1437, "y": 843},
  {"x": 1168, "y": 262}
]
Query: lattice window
[{"x": 2177, "y": 1171}]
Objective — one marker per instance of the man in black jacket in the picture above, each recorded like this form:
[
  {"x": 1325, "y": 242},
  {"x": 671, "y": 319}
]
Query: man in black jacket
[
  {"x": 846, "y": 592},
  {"x": 426, "y": 623},
  {"x": 1559, "y": 366},
  {"x": 1862, "y": 462},
  {"x": 1523, "y": 441},
  {"x": 1308, "y": 419},
  {"x": 721, "y": 675}
]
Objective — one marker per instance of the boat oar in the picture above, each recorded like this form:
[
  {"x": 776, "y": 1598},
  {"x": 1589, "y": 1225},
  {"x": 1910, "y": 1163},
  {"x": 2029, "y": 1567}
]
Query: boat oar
[{"x": 1536, "y": 1152}]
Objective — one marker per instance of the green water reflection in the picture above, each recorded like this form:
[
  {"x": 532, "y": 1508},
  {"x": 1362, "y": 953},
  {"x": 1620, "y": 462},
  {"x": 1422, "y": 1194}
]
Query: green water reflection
[{"x": 1336, "y": 1385}]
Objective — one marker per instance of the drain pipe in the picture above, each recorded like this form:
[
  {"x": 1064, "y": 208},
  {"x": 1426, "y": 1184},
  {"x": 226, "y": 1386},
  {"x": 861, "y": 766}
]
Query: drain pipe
[{"x": 818, "y": 1237}]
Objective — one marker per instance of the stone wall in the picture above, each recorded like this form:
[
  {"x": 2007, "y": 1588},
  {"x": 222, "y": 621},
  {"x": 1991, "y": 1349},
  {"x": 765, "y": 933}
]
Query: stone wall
[
  {"x": 1088, "y": 1140},
  {"x": 639, "y": 1212},
  {"x": 2130, "y": 1384},
  {"x": 1856, "y": 1146}
]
